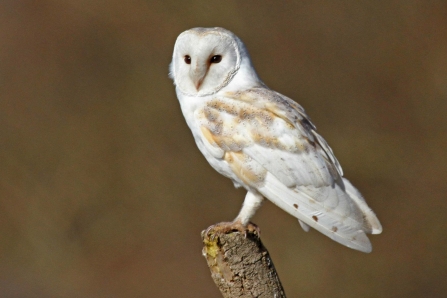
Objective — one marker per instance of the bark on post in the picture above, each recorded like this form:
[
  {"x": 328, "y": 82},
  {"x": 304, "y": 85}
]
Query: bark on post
[{"x": 240, "y": 265}]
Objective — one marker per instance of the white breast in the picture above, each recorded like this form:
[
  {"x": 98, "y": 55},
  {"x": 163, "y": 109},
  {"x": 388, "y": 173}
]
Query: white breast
[{"x": 189, "y": 106}]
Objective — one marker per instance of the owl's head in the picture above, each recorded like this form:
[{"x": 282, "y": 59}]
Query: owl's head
[{"x": 205, "y": 60}]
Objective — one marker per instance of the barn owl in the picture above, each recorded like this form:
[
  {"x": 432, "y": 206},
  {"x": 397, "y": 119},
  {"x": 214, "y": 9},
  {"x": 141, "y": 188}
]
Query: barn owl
[{"x": 263, "y": 141}]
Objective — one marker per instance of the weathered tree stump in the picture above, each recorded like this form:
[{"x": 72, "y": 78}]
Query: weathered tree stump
[{"x": 240, "y": 265}]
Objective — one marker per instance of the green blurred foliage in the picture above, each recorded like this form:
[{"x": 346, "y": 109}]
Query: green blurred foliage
[{"x": 103, "y": 192}]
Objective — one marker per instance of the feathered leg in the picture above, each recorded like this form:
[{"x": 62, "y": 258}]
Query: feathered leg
[
  {"x": 252, "y": 203},
  {"x": 242, "y": 222}
]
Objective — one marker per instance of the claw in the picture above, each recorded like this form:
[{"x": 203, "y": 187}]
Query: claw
[{"x": 227, "y": 227}]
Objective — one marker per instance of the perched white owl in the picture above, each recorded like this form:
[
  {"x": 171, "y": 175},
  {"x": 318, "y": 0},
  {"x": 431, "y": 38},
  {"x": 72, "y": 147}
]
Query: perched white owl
[{"x": 263, "y": 140}]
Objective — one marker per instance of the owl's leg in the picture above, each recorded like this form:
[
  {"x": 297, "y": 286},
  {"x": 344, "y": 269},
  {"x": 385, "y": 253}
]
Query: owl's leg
[
  {"x": 252, "y": 203},
  {"x": 242, "y": 222}
]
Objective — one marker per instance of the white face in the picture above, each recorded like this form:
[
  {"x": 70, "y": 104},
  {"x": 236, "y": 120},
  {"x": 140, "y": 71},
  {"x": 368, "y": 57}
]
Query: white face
[{"x": 204, "y": 60}]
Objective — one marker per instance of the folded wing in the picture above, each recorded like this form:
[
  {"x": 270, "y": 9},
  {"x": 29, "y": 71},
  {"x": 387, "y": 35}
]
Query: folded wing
[{"x": 273, "y": 140}]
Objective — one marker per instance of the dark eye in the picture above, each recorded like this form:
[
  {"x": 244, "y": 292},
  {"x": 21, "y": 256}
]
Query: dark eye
[
  {"x": 216, "y": 59},
  {"x": 187, "y": 59}
]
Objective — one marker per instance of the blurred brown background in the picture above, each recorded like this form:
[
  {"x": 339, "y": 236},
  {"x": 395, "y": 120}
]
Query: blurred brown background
[{"x": 103, "y": 192}]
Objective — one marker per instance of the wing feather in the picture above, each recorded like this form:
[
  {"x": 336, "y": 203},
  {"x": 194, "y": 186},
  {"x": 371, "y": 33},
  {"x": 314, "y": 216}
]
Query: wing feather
[{"x": 343, "y": 229}]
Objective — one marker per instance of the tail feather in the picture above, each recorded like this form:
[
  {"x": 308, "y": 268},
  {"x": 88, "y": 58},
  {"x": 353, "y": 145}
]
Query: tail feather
[
  {"x": 304, "y": 226},
  {"x": 369, "y": 215}
]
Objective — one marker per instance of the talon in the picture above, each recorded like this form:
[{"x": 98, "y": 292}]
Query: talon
[
  {"x": 253, "y": 228},
  {"x": 227, "y": 227}
]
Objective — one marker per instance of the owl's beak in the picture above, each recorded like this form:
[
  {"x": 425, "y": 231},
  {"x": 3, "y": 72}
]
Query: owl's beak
[{"x": 197, "y": 74}]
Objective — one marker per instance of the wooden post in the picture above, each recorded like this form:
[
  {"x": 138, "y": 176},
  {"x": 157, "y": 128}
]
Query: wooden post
[{"x": 240, "y": 265}]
